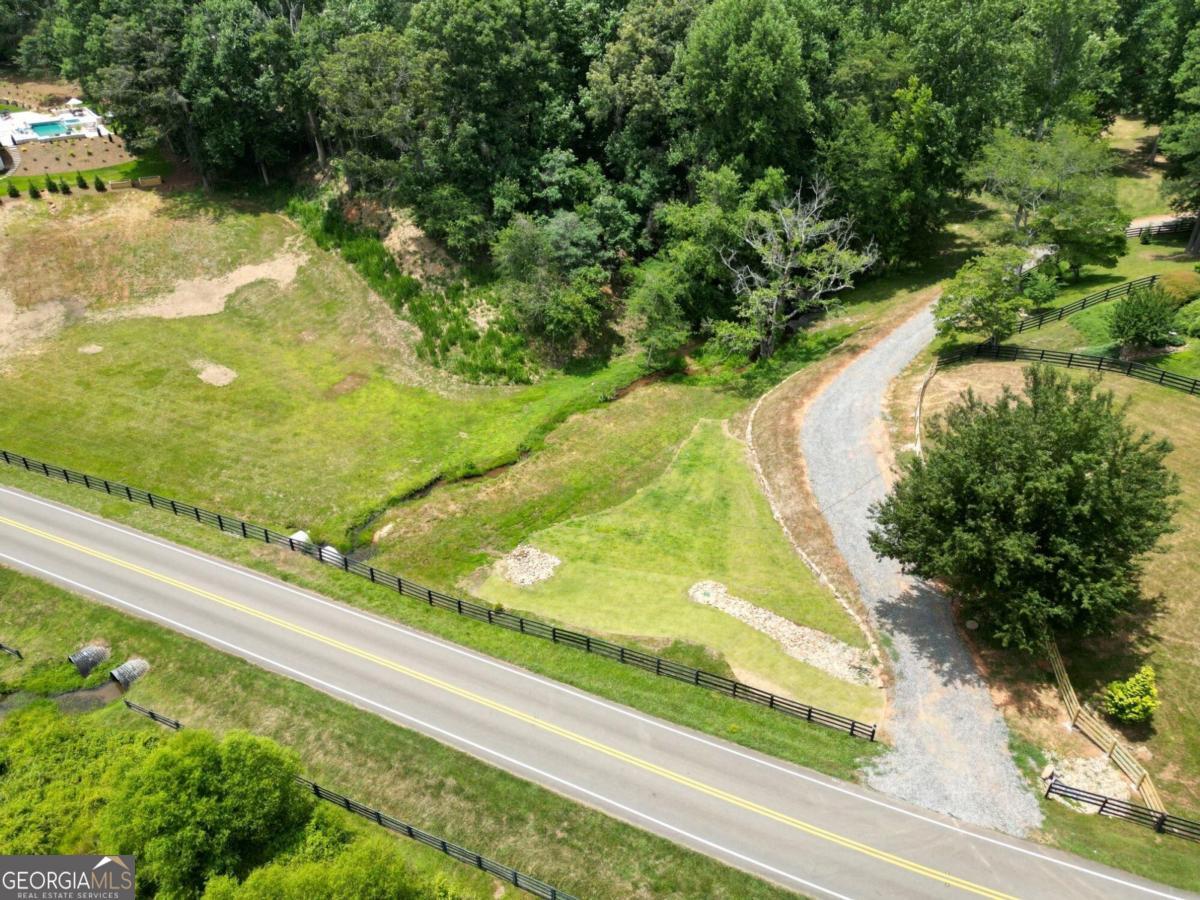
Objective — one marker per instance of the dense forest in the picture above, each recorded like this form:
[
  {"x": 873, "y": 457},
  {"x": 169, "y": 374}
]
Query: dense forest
[{"x": 708, "y": 167}]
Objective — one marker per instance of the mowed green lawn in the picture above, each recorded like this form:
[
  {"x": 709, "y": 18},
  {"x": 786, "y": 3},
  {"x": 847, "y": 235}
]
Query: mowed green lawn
[
  {"x": 1087, "y": 331},
  {"x": 1139, "y": 181},
  {"x": 410, "y": 776},
  {"x": 627, "y": 571},
  {"x": 327, "y": 419}
]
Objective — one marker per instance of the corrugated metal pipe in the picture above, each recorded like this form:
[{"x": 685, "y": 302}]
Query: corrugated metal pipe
[
  {"x": 129, "y": 671},
  {"x": 88, "y": 657}
]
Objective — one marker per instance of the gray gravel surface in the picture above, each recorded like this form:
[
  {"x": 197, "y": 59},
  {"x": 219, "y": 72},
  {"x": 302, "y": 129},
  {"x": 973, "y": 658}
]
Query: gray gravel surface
[{"x": 950, "y": 743}]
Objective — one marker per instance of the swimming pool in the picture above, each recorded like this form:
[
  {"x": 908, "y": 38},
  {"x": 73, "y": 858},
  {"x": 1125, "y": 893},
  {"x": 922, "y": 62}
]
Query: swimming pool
[{"x": 48, "y": 129}]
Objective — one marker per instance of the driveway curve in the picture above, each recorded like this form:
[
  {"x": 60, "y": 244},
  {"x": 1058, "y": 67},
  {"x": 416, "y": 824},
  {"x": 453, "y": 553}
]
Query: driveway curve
[{"x": 950, "y": 743}]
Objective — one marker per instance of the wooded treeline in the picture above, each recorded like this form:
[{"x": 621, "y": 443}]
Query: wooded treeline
[{"x": 720, "y": 143}]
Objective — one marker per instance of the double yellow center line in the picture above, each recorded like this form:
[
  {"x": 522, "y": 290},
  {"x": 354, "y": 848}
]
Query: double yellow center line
[{"x": 549, "y": 727}]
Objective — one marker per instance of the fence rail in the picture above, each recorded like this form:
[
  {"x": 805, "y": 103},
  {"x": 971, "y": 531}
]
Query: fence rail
[
  {"x": 173, "y": 724},
  {"x": 1099, "y": 733},
  {"x": 329, "y": 556},
  {"x": 525, "y": 882},
  {"x": 11, "y": 651},
  {"x": 1162, "y": 822},
  {"x": 1037, "y": 320},
  {"x": 1174, "y": 226},
  {"x": 1010, "y": 353}
]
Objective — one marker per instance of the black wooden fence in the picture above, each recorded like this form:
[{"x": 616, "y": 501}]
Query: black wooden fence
[
  {"x": 1163, "y": 823},
  {"x": 1010, "y": 353},
  {"x": 477, "y": 611},
  {"x": 1037, "y": 320},
  {"x": 1174, "y": 226},
  {"x": 11, "y": 651},
  {"x": 173, "y": 724},
  {"x": 527, "y": 883}
]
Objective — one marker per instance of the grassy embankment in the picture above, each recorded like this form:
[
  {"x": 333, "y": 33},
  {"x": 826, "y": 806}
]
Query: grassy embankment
[
  {"x": 411, "y": 776},
  {"x": 627, "y": 570},
  {"x": 330, "y": 417}
]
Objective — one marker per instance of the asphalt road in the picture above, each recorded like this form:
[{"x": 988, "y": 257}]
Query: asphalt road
[{"x": 813, "y": 834}]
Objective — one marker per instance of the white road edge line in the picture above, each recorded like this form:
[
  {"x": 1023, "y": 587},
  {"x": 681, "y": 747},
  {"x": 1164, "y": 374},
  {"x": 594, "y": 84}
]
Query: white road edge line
[
  {"x": 455, "y": 648},
  {"x": 313, "y": 680}
]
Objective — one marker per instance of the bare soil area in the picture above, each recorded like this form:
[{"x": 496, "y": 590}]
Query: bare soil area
[
  {"x": 213, "y": 373},
  {"x": 73, "y": 155},
  {"x": 207, "y": 296}
]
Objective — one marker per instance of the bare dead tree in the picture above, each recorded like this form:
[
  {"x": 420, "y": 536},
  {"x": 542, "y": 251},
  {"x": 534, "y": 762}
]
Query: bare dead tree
[{"x": 802, "y": 260}]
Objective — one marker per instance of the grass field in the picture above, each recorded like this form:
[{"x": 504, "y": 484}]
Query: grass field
[
  {"x": 627, "y": 570},
  {"x": 327, "y": 419},
  {"x": 410, "y": 776}
]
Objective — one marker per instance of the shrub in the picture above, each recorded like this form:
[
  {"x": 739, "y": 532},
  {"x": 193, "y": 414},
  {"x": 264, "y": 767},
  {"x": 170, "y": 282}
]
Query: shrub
[
  {"x": 1187, "y": 320},
  {"x": 1181, "y": 287},
  {"x": 1144, "y": 318},
  {"x": 80, "y": 181},
  {"x": 1133, "y": 700},
  {"x": 51, "y": 185},
  {"x": 34, "y": 193},
  {"x": 98, "y": 184},
  {"x": 1040, "y": 287},
  {"x": 63, "y": 187},
  {"x": 13, "y": 191}
]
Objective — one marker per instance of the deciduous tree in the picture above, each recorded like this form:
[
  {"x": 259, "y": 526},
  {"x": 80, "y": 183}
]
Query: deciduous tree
[
  {"x": 1036, "y": 511},
  {"x": 802, "y": 257},
  {"x": 985, "y": 296}
]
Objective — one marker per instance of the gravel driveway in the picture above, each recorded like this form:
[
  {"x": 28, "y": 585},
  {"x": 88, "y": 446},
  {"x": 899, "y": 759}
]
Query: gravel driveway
[{"x": 950, "y": 743}]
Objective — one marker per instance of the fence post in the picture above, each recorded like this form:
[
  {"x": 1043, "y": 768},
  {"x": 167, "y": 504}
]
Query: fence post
[{"x": 1161, "y": 825}]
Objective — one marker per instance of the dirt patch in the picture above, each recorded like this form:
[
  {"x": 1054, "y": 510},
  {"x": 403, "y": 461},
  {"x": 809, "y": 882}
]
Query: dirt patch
[
  {"x": 986, "y": 380},
  {"x": 22, "y": 328},
  {"x": 351, "y": 382},
  {"x": 66, "y": 157},
  {"x": 799, "y": 642},
  {"x": 90, "y": 349},
  {"x": 527, "y": 565},
  {"x": 212, "y": 373},
  {"x": 207, "y": 296},
  {"x": 1156, "y": 219},
  {"x": 415, "y": 253},
  {"x": 33, "y": 93}
]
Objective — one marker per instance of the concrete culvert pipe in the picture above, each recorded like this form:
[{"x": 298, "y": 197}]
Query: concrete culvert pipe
[
  {"x": 129, "y": 671},
  {"x": 88, "y": 657}
]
